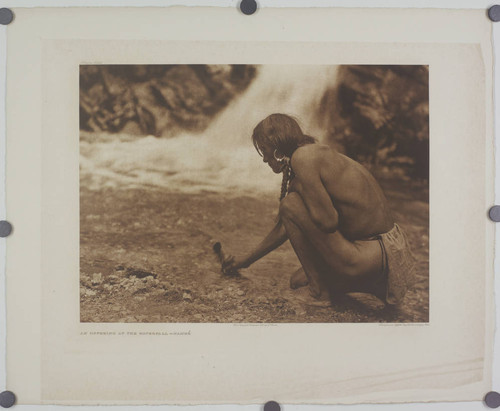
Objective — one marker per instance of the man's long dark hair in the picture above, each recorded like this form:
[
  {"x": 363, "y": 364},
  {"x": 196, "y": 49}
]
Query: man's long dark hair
[{"x": 283, "y": 133}]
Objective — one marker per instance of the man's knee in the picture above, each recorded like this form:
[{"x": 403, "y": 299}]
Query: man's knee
[{"x": 291, "y": 206}]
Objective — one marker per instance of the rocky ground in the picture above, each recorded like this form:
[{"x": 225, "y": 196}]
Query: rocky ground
[{"x": 146, "y": 256}]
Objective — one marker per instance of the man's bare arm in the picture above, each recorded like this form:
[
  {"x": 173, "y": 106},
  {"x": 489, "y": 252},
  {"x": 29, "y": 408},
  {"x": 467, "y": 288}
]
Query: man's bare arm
[
  {"x": 273, "y": 240},
  {"x": 306, "y": 164}
]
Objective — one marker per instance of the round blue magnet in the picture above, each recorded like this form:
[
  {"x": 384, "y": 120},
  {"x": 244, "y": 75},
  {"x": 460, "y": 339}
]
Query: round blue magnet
[
  {"x": 5, "y": 228},
  {"x": 7, "y": 399},
  {"x": 494, "y": 213},
  {"x": 492, "y": 399},
  {"x": 248, "y": 7},
  {"x": 6, "y": 16},
  {"x": 494, "y": 13},
  {"x": 272, "y": 406}
]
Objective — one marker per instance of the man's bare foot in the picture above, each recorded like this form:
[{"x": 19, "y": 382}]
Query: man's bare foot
[
  {"x": 298, "y": 279},
  {"x": 367, "y": 301},
  {"x": 306, "y": 297}
]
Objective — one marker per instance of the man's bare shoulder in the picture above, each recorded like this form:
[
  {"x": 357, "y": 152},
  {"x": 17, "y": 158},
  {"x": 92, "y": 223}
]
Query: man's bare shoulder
[{"x": 311, "y": 156}]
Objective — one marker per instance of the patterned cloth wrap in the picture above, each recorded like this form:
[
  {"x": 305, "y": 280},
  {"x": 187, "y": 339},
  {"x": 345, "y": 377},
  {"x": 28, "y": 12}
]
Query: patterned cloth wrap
[{"x": 399, "y": 264}]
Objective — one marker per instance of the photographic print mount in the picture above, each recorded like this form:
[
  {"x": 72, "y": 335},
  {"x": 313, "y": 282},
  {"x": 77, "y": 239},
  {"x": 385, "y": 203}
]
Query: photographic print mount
[{"x": 188, "y": 293}]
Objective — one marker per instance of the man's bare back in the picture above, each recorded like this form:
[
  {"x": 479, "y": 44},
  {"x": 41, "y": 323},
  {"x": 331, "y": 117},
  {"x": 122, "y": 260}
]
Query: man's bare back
[{"x": 361, "y": 207}]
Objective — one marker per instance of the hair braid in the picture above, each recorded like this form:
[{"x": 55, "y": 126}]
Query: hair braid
[{"x": 287, "y": 176}]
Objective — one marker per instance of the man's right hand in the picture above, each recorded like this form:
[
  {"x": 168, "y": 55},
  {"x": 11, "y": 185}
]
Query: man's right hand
[{"x": 231, "y": 264}]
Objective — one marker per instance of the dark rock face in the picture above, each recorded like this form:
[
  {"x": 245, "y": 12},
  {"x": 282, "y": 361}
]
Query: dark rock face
[
  {"x": 158, "y": 100},
  {"x": 380, "y": 116}
]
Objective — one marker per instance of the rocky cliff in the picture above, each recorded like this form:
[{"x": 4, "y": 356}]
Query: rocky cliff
[{"x": 158, "y": 100}]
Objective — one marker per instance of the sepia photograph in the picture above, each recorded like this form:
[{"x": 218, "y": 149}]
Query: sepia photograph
[
  {"x": 230, "y": 221},
  {"x": 254, "y": 193}
]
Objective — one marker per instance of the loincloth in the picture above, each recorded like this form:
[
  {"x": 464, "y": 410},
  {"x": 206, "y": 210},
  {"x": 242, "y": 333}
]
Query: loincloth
[{"x": 398, "y": 264}]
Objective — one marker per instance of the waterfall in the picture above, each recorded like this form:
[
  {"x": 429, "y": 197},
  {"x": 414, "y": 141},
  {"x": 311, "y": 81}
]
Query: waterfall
[
  {"x": 222, "y": 158},
  {"x": 292, "y": 90}
]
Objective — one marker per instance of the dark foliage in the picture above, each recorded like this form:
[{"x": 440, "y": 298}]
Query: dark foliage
[{"x": 380, "y": 115}]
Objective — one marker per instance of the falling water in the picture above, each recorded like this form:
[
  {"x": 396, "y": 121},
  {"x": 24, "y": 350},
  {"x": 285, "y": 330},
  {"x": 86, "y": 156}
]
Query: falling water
[
  {"x": 293, "y": 90},
  {"x": 221, "y": 158}
]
